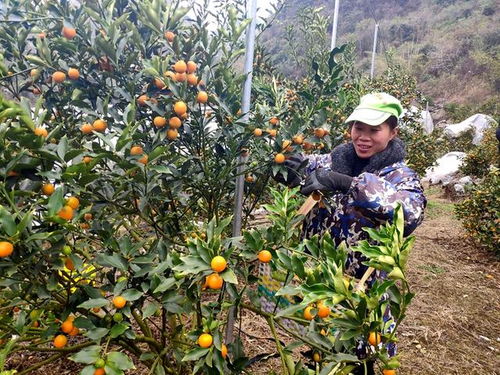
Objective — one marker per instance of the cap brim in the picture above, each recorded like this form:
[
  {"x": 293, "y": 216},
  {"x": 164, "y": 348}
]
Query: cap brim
[{"x": 368, "y": 116}]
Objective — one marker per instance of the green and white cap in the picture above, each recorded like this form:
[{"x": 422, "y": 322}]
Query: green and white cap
[{"x": 375, "y": 108}]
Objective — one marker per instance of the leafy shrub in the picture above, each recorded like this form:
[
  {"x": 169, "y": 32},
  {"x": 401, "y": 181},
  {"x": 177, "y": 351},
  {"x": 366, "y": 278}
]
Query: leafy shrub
[
  {"x": 481, "y": 157},
  {"x": 480, "y": 212},
  {"x": 112, "y": 231}
]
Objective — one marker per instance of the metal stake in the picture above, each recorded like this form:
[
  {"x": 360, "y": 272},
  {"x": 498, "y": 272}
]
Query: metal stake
[
  {"x": 240, "y": 180},
  {"x": 335, "y": 24}
]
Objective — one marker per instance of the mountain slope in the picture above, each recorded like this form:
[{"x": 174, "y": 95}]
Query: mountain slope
[{"x": 451, "y": 46}]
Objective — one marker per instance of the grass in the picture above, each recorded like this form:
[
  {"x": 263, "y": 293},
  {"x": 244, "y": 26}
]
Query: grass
[
  {"x": 437, "y": 208},
  {"x": 432, "y": 268}
]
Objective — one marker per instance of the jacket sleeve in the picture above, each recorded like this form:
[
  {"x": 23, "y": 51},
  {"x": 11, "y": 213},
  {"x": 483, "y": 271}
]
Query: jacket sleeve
[
  {"x": 377, "y": 196},
  {"x": 317, "y": 161}
]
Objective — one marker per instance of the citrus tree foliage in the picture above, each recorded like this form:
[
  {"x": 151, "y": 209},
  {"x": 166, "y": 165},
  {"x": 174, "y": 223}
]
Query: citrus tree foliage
[
  {"x": 118, "y": 158},
  {"x": 479, "y": 211},
  {"x": 480, "y": 158}
]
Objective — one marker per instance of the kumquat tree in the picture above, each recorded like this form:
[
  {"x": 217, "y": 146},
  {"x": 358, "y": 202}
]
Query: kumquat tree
[{"x": 121, "y": 131}]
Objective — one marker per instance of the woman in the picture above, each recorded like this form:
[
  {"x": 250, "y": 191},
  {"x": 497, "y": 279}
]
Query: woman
[{"x": 362, "y": 181}]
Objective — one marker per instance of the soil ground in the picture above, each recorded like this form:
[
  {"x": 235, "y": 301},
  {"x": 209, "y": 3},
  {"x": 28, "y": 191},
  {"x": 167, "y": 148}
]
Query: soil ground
[{"x": 453, "y": 323}]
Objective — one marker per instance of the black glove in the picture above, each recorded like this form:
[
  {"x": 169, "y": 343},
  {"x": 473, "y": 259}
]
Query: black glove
[
  {"x": 294, "y": 166},
  {"x": 325, "y": 180}
]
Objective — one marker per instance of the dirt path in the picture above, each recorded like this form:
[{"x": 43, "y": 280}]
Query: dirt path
[{"x": 453, "y": 325}]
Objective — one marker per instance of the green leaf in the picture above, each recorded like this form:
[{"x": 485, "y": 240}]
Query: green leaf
[
  {"x": 87, "y": 355},
  {"x": 158, "y": 151},
  {"x": 150, "y": 309},
  {"x": 95, "y": 302},
  {"x": 35, "y": 60},
  {"x": 351, "y": 333},
  {"x": 25, "y": 222},
  {"x": 132, "y": 294},
  {"x": 290, "y": 310},
  {"x": 88, "y": 370},
  {"x": 229, "y": 276},
  {"x": 8, "y": 223},
  {"x": 165, "y": 284},
  {"x": 288, "y": 290},
  {"x": 114, "y": 260},
  {"x": 195, "y": 354},
  {"x": 118, "y": 329},
  {"x": 120, "y": 360},
  {"x": 192, "y": 264},
  {"x": 97, "y": 333},
  {"x": 55, "y": 201},
  {"x": 298, "y": 267},
  {"x": 62, "y": 146}
]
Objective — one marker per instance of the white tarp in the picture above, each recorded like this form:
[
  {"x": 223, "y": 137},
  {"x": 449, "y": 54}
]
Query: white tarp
[
  {"x": 478, "y": 122},
  {"x": 427, "y": 122},
  {"x": 445, "y": 169}
]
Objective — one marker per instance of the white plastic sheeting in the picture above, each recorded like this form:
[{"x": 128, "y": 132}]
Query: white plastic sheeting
[
  {"x": 445, "y": 169},
  {"x": 478, "y": 122}
]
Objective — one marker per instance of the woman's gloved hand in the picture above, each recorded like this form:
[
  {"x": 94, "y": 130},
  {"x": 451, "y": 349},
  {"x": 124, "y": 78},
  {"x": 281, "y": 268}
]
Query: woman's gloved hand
[
  {"x": 294, "y": 166},
  {"x": 325, "y": 180}
]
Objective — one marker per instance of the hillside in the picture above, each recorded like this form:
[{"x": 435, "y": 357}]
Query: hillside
[{"x": 451, "y": 46}]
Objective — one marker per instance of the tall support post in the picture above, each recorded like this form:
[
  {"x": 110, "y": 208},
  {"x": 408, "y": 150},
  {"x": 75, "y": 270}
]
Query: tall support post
[
  {"x": 245, "y": 107},
  {"x": 240, "y": 180},
  {"x": 335, "y": 24},
  {"x": 375, "y": 36}
]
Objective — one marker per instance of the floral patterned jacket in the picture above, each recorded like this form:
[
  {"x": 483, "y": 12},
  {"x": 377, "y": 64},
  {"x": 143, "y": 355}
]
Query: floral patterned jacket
[{"x": 369, "y": 202}]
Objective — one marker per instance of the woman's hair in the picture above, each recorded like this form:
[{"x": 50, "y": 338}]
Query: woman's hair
[{"x": 392, "y": 121}]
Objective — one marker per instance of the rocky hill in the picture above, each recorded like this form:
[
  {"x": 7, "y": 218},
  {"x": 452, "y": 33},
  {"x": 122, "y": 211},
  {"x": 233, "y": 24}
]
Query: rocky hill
[{"x": 451, "y": 46}]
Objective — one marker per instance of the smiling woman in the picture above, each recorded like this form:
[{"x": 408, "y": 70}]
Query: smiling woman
[{"x": 362, "y": 182}]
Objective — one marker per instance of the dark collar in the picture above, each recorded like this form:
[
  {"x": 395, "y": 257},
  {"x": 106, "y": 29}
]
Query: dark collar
[{"x": 344, "y": 157}]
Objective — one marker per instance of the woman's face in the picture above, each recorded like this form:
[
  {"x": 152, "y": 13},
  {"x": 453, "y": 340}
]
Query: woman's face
[{"x": 369, "y": 140}]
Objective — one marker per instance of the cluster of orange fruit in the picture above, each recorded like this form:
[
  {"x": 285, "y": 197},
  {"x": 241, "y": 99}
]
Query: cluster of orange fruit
[
  {"x": 183, "y": 72},
  {"x": 71, "y": 204},
  {"x": 273, "y": 121},
  {"x": 215, "y": 281},
  {"x": 68, "y": 328},
  {"x": 322, "y": 311},
  {"x": 98, "y": 125},
  {"x": 205, "y": 340},
  {"x": 137, "y": 150}
]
